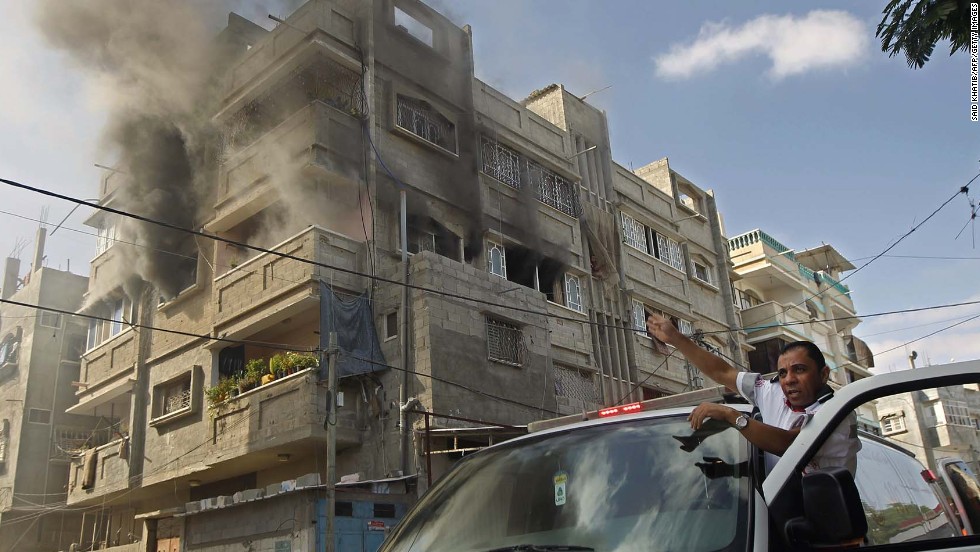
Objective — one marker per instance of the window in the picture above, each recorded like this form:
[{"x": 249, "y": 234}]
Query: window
[
  {"x": 176, "y": 396},
  {"x": 421, "y": 119},
  {"x": 573, "y": 292},
  {"x": 576, "y": 385},
  {"x": 684, "y": 326},
  {"x": 893, "y": 423},
  {"x": 550, "y": 188},
  {"x": 957, "y": 413},
  {"x": 634, "y": 233},
  {"x": 119, "y": 311},
  {"x": 413, "y": 27},
  {"x": 505, "y": 342},
  {"x": 382, "y": 510},
  {"x": 50, "y": 319},
  {"x": 39, "y": 416},
  {"x": 669, "y": 251},
  {"x": 496, "y": 259},
  {"x": 426, "y": 234},
  {"x": 107, "y": 237},
  {"x": 702, "y": 272},
  {"x": 391, "y": 325},
  {"x": 639, "y": 236},
  {"x": 639, "y": 316},
  {"x": 501, "y": 162}
]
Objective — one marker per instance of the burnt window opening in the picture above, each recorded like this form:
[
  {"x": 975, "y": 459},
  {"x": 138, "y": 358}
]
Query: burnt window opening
[
  {"x": 324, "y": 80},
  {"x": 425, "y": 234},
  {"x": 231, "y": 361},
  {"x": 421, "y": 119},
  {"x": 184, "y": 274},
  {"x": 528, "y": 268}
]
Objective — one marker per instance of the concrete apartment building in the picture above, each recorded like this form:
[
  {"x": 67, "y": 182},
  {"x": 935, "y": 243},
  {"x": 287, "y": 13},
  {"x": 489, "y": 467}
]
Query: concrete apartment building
[
  {"x": 533, "y": 259},
  {"x": 935, "y": 423},
  {"x": 39, "y": 360},
  {"x": 787, "y": 296}
]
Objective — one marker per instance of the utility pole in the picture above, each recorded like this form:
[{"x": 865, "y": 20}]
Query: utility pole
[{"x": 331, "y": 423}]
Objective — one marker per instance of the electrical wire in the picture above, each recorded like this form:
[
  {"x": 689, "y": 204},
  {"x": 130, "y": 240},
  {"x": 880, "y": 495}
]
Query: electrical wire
[{"x": 283, "y": 346}]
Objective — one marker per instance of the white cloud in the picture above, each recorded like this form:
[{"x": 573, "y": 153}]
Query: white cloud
[{"x": 819, "y": 40}]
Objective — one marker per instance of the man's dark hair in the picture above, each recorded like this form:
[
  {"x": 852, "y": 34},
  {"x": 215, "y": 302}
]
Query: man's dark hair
[{"x": 812, "y": 351}]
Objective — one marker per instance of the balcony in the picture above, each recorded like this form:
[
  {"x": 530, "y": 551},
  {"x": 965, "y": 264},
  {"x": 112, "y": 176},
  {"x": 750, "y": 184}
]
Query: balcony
[
  {"x": 272, "y": 281},
  {"x": 100, "y": 472},
  {"x": 769, "y": 319},
  {"x": 281, "y": 417},
  {"x": 318, "y": 141}
]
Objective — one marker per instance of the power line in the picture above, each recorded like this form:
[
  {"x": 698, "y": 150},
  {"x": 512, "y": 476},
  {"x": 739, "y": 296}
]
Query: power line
[
  {"x": 445, "y": 293},
  {"x": 974, "y": 317},
  {"x": 283, "y": 346}
]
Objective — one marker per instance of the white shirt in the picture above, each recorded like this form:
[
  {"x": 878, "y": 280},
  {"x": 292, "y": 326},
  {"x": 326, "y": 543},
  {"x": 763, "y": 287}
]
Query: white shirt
[{"x": 841, "y": 446}]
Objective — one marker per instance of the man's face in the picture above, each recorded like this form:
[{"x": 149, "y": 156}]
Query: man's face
[{"x": 800, "y": 377}]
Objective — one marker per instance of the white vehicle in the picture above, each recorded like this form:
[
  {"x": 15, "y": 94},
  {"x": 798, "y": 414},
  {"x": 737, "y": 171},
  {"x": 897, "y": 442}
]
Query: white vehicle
[{"x": 631, "y": 478}]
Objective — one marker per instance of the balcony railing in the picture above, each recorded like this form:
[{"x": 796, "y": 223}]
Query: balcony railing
[
  {"x": 756, "y": 236},
  {"x": 267, "y": 277}
]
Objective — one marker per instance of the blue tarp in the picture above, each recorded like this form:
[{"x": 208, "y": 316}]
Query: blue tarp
[{"x": 352, "y": 319}]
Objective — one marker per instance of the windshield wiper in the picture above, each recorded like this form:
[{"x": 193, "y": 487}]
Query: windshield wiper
[{"x": 542, "y": 548}]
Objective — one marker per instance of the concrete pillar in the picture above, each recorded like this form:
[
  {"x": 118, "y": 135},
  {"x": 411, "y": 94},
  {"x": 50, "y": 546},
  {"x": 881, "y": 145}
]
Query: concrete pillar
[{"x": 11, "y": 269}]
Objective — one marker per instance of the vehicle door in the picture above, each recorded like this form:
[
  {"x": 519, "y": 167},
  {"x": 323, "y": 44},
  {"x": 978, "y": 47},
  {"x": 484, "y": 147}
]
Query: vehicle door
[{"x": 899, "y": 511}]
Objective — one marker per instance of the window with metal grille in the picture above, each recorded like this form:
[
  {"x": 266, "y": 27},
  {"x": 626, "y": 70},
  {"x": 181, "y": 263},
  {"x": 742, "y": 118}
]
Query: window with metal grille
[
  {"x": 669, "y": 251},
  {"x": 50, "y": 319},
  {"x": 505, "y": 342},
  {"x": 639, "y": 315},
  {"x": 172, "y": 396},
  {"x": 552, "y": 189},
  {"x": 634, "y": 233},
  {"x": 577, "y": 385},
  {"x": 501, "y": 162},
  {"x": 422, "y": 120}
]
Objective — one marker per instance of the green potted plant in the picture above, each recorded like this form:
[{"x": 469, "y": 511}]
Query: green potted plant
[
  {"x": 277, "y": 365},
  {"x": 231, "y": 384},
  {"x": 252, "y": 376},
  {"x": 216, "y": 394}
]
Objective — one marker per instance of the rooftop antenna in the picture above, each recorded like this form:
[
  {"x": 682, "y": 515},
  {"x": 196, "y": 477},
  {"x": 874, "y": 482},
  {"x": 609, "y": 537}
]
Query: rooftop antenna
[{"x": 582, "y": 98}]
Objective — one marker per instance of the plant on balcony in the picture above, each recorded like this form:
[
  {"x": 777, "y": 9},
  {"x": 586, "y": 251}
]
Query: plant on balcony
[
  {"x": 300, "y": 362},
  {"x": 225, "y": 389},
  {"x": 277, "y": 365},
  {"x": 252, "y": 376}
]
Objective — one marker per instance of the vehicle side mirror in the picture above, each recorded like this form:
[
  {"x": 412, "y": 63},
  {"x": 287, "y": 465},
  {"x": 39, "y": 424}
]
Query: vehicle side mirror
[{"x": 832, "y": 512}]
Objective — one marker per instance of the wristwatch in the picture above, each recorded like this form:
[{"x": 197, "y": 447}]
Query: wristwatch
[{"x": 741, "y": 422}]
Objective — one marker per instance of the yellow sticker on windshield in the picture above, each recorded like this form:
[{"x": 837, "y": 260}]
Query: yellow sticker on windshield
[{"x": 561, "y": 480}]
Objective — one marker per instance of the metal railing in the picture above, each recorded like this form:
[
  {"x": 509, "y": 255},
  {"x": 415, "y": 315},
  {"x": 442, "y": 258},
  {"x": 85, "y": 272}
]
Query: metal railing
[
  {"x": 549, "y": 187},
  {"x": 419, "y": 118}
]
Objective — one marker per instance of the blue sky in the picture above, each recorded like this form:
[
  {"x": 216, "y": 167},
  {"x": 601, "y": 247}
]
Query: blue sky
[{"x": 789, "y": 112}]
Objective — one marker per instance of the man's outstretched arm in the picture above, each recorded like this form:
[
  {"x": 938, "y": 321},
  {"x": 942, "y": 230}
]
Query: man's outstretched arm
[{"x": 711, "y": 365}]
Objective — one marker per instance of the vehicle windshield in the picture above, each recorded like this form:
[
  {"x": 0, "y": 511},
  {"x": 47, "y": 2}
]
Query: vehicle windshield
[{"x": 635, "y": 485}]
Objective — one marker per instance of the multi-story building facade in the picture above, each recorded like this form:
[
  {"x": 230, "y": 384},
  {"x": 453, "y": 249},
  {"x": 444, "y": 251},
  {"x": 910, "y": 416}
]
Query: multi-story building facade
[
  {"x": 356, "y": 135},
  {"x": 787, "y": 296},
  {"x": 39, "y": 361},
  {"x": 935, "y": 423}
]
